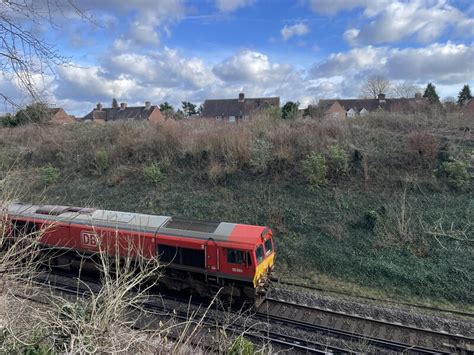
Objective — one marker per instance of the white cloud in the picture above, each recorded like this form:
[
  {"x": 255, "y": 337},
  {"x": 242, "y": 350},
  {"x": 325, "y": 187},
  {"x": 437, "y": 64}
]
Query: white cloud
[
  {"x": 391, "y": 21},
  {"x": 331, "y": 7},
  {"x": 251, "y": 66},
  {"x": 149, "y": 22},
  {"x": 165, "y": 68},
  {"x": 92, "y": 84},
  {"x": 298, "y": 29},
  {"x": 424, "y": 20},
  {"x": 357, "y": 59},
  {"x": 143, "y": 33},
  {"x": 447, "y": 63},
  {"x": 232, "y": 5}
]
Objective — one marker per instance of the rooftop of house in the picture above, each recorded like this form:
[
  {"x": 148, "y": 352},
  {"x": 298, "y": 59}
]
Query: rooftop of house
[
  {"x": 54, "y": 110},
  {"x": 123, "y": 112},
  {"x": 240, "y": 106},
  {"x": 381, "y": 103}
]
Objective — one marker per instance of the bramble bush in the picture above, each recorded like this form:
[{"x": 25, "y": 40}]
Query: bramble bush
[
  {"x": 101, "y": 161},
  {"x": 456, "y": 174},
  {"x": 241, "y": 346},
  {"x": 315, "y": 169},
  {"x": 50, "y": 174},
  {"x": 338, "y": 160},
  {"x": 260, "y": 155},
  {"x": 153, "y": 173}
]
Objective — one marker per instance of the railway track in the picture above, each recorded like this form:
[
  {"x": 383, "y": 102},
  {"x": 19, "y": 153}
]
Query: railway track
[
  {"x": 262, "y": 336},
  {"x": 380, "y": 300},
  {"x": 378, "y": 333}
]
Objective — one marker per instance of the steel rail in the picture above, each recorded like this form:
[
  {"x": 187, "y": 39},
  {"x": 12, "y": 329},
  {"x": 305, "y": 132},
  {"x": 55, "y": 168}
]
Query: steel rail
[
  {"x": 283, "y": 340},
  {"x": 363, "y": 328},
  {"x": 413, "y": 305}
]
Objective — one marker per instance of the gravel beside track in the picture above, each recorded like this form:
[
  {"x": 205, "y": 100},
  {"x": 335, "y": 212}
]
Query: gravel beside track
[
  {"x": 392, "y": 314},
  {"x": 275, "y": 336}
]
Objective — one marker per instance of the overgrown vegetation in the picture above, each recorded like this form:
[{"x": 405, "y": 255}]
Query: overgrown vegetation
[
  {"x": 391, "y": 212},
  {"x": 153, "y": 173}
]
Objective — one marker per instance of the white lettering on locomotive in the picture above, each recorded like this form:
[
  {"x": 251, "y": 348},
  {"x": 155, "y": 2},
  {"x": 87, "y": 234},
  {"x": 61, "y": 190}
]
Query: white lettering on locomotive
[
  {"x": 234, "y": 269},
  {"x": 89, "y": 239}
]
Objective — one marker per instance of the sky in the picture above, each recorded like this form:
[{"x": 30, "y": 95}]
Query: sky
[{"x": 300, "y": 50}]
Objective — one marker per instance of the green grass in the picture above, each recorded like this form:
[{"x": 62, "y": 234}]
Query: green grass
[{"x": 322, "y": 231}]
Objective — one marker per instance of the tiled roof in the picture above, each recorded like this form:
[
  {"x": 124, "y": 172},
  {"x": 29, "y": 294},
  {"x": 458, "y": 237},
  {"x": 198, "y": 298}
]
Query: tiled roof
[
  {"x": 236, "y": 107},
  {"x": 116, "y": 113},
  {"x": 54, "y": 110},
  {"x": 372, "y": 105}
]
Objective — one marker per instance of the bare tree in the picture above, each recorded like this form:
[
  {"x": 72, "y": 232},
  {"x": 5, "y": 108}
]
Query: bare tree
[
  {"x": 405, "y": 89},
  {"x": 23, "y": 53},
  {"x": 374, "y": 86}
]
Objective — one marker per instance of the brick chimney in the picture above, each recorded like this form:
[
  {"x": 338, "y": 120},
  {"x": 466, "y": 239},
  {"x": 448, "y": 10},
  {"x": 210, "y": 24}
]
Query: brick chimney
[
  {"x": 241, "y": 97},
  {"x": 123, "y": 105},
  {"x": 381, "y": 98},
  {"x": 147, "y": 105},
  {"x": 99, "y": 106}
]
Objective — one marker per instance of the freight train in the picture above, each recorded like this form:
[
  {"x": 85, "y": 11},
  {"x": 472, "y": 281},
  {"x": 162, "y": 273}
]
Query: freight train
[{"x": 197, "y": 256}]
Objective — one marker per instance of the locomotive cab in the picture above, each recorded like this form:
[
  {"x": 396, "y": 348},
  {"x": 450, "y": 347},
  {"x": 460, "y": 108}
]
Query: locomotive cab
[{"x": 264, "y": 261}]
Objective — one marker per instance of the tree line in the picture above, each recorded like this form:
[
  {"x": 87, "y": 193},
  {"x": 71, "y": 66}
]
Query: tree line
[{"x": 377, "y": 84}]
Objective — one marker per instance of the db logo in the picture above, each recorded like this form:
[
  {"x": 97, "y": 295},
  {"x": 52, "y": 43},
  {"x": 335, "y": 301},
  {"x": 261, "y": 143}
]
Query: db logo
[{"x": 89, "y": 239}]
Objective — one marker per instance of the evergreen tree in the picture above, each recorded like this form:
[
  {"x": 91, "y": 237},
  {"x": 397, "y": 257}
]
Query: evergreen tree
[
  {"x": 36, "y": 112},
  {"x": 115, "y": 103},
  {"x": 189, "y": 109},
  {"x": 290, "y": 110},
  {"x": 464, "y": 95},
  {"x": 431, "y": 95},
  {"x": 165, "y": 107}
]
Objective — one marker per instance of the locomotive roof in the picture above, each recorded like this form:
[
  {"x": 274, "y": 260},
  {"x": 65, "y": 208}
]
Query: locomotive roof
[{"x": 164, "y": 225}]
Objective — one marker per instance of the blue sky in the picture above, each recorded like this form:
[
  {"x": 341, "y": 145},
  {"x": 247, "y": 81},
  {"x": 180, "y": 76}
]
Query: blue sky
[{"x": 304, "y": 50}]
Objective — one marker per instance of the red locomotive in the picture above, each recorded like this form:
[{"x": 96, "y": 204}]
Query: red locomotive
[{"x": 199, "y": 256}]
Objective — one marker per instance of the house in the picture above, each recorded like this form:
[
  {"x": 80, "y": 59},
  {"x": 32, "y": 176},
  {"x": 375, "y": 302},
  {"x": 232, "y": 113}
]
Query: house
[
  {"x": 468, "y": 107},
  {"x": 148, "y": 112},
  {"x": 337, "y": 109},
  {"x": 59, "y": 116},
  {"x": 240, "y": 109}
]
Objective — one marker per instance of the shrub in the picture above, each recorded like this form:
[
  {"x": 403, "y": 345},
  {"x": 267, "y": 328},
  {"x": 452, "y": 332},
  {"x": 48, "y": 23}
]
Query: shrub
[
  {"x": 37, "y": 112},
  {"x": 50, "y": 174},
  {"x": 101, "y": 161},
  {"x": 260, "y": 155},
  {"x": 456, "y": 174},
  {"x": 315, "y": 169},
  {"x": 153, "y": 173},
  {"x": 8, "y": 121},
  {"x": 425, "y": 146},
  {"x": 241, "y": 346},
  {"x": 216, "y": 172},
  {"x": 338, "y": 160},
  {"x": 289, "y": 111}
]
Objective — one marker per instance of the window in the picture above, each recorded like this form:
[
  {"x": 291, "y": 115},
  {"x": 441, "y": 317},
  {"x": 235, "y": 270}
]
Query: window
[
  {"x": 268, "y": 246},
  {"x": 249, "y": 259},
  {"x": 235, "y": 256},
  {"x": 192, "y": 257},
  {"x": 168, "y": 254},
  {"x": 259, "y": 254}
]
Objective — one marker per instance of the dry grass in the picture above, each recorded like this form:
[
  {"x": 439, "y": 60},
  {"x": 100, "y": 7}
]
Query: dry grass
[{"x": 218, "y": 148}]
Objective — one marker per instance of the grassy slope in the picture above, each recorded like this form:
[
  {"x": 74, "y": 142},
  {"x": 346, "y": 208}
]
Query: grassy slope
[
  {"x": 317, "y": 231},
  {"x": 322, "y": 235}
]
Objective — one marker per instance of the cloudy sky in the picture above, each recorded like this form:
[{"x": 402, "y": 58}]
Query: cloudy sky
[{"x": 175, "y": 50}]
